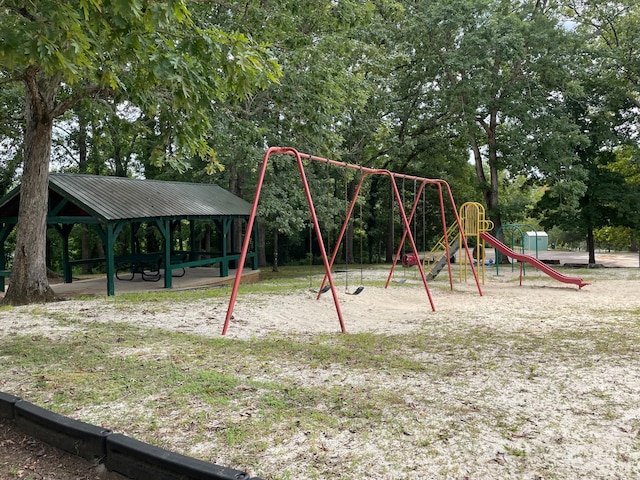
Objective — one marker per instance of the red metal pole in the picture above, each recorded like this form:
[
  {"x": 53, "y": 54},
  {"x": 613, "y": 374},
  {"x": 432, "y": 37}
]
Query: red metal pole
[
  {"x": 247, "y": 237},
  {"x": 463, "y": 238},
  {"x": 345, "y": 224},
  {"x": 521, "y": 264},
  {"x": 323, "y": 252},
  {"x": 329, "y": 263},
  {"x": 407, "y": 228},
  {"x": 252, "y": 216}
]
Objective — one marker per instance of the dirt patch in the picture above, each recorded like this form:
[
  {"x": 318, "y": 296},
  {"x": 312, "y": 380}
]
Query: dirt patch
[{"x": 23, "y": 457}]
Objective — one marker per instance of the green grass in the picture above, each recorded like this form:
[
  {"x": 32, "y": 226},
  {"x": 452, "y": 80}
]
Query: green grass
[
  {"x": 104, "y": 362},
  {"x": 249, "y": 395}
]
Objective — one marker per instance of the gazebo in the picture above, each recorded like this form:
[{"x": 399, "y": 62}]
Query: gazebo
[{"x": 109, "y": 204}]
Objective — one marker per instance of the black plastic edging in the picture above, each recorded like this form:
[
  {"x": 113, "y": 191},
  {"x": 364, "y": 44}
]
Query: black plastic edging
[
  {"x": 79, "y": 438},
  {"x": 7, "y": 406},
  {"x": 138, "y": 460},
  {"x": 132, "y": 458}
]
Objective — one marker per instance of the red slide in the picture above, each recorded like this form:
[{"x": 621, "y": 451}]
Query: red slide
[{"x": 543, "y": 267}]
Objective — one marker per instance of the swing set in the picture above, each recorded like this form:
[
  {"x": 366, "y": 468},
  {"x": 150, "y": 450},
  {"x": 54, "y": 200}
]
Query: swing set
[
  {"x": 328, "y": 261},
  {"x": 325, "y": 287}
]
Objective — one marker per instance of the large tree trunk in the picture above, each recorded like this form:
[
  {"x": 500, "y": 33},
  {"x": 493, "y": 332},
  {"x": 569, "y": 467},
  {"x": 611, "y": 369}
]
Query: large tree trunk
[
  {"x": 490, "y": 185},
  {"x": 29, "y": 283}
]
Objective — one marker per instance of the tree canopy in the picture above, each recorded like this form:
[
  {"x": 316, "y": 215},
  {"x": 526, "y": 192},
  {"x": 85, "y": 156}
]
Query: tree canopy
[
  {"x": 494, "y": 96},
  {"x": 151, "y": 54}
]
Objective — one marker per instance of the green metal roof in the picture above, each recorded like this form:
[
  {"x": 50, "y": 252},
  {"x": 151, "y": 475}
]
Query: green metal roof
[{"x": 118, "y": 198}]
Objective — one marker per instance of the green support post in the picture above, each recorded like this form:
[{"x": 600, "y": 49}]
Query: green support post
[
  {"x": 110, "y": 254},
  {"x": 192, "y": 240},
  {"x": 224, "y": 265},
  {"x": 111, "y": 234},
  {"x": 168, "y": 272}
]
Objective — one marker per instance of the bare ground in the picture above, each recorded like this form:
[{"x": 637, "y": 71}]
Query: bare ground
[
  {"x": 498, "y": 412},
  {"x": 23, "y": 457}
]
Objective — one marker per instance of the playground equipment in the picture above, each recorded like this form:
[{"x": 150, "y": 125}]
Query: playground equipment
[
  {"x": 435, "y": 260},
  {"x": 516, "y": 237},
  {"x": 474, "y": 224},
  {"x": 522, "y": 258},
  {"x": 470, "y": 222},
  {"x": 513, "y": 234},
  {"x": 328, "y": 263},
  {"x": 477, "y": 228}
]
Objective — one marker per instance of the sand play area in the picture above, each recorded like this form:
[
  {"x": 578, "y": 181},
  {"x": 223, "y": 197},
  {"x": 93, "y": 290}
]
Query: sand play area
[{"x": 540, "y": 381}]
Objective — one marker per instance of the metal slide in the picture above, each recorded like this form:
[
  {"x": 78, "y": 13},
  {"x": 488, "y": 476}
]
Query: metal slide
[
  {"x": 435, "y": 260},
  {"x": 543, "y": 267},
  {"x": 440, "y": 258}
]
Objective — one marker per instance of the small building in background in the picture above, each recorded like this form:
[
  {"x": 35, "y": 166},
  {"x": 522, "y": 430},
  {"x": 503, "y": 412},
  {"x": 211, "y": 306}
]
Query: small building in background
[{"x": 531, "y": 239}]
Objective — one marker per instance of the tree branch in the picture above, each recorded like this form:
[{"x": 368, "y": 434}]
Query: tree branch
[
  {"x": 614, "y": 32},
  {"x": 70, "y": 153},
  {"x": 91, "y": 91},
  {"x": 484, "y": 125},
  {"x": 477, "y": 156},
  {"x": 23, "y": 12}
]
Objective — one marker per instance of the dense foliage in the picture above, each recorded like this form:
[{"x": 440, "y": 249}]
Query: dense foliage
[{"x": 510, "y": 102}]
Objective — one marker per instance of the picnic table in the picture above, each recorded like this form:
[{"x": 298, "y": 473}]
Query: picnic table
[{"x": 146, "y": 264}]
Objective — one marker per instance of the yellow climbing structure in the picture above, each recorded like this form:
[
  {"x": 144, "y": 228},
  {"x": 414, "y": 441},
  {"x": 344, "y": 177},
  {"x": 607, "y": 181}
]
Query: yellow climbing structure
[{"x": 473, "y": 222}]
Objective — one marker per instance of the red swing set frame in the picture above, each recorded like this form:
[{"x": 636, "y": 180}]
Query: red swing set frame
[{"x": 328, "y": 262}]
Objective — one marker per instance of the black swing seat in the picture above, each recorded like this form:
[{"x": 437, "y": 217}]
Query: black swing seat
[{"x": 357, "y": 291}]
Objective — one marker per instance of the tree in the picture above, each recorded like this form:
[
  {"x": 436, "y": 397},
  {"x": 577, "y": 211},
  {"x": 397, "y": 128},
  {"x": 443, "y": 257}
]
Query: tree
[
  {"x": 601, "y": 191},
  {"x": 153, "y": 52},
  {"x": 495, "y": 72},
  {"x": 604, "y": 199},
  {"x": 328, "y": 51},
  {"x": 612, "y": 32}
]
